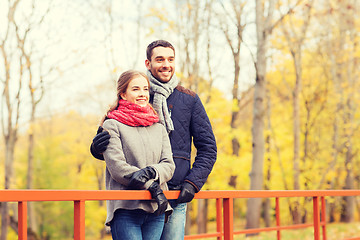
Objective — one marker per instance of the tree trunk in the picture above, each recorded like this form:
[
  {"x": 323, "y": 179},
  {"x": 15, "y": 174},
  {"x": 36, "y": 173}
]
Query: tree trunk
[
  {"x": 266, "y": 212},
  {"x": 188, "y": 219},
  {"x": 351, "y": 75},
  {"x": 348, "y": 204},
  {"x": 208, "y": 8},
  {"x": 256, "y": 174},
  {"x": 235, "y": 92},
  {"x": 202, "y": 215},
  {"x": 10, "y": 117},
  {"x": 234, "y": 42},
  {"x": 31, "y": 210},
  {"x": 31, "y": 235},
  {"x": 332, "y": 212},
  {"x": 9, "y": 176},
  {"x": 234, "y": 142},
  {"x": 295, "y": 42},
  {"x": 30, "y": 170},
  {"x": 266, "y": 203},
  {"x": 296, "y": 130},
  {"x": 4, "y": 220}
]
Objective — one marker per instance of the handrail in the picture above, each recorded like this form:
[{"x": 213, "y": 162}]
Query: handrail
[
  {"x": 224, "y": 207},
  {"x": 16, "y": 195}
]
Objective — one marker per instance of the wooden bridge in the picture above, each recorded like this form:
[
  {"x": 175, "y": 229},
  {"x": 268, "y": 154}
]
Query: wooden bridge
[{"x": 224, "y": 207}]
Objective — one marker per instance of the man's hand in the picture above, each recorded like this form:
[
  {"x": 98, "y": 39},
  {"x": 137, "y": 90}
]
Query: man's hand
[
  {"x": 187, "y": 193},
  {"x": 139, "y": 178},
  {"x": 100, "y": 141},
  {"x": 159, "y": 196}
]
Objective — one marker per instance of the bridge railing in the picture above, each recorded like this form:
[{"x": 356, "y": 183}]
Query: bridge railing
[{"x": 224, "y": 207}]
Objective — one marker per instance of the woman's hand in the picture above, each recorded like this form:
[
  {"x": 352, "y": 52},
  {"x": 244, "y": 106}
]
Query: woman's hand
[
  {"x": 139, "y": 178},
  {"x": 158, "y": 195}
]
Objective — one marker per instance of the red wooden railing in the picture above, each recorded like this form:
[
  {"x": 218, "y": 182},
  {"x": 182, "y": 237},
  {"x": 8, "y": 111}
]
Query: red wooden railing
[{"x": 224, "y": 207}]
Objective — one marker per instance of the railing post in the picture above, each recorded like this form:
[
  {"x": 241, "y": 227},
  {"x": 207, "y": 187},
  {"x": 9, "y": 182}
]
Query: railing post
[
  {"x": 316, "y": 218},
  {"x": 277, "y": 214},
  {"x": 219, "y": 217},
  {"x": 323, "y": 217},
  {"x": 22, "y": 220},
  {"x": 228, "y": 219},
  {"x": 79, "y": 220}
]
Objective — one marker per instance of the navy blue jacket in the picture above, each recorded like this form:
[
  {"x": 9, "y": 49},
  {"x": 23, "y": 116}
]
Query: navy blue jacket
[{"x": 191, "y": 123}]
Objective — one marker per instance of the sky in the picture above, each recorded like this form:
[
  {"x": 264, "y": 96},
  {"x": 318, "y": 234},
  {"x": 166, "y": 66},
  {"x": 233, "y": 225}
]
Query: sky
[{"x": 86, "y": 50}]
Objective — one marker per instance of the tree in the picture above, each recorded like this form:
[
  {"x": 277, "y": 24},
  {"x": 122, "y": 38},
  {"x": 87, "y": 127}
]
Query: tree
[
  {"x": 263, "y": 30},
  {"x": 190, "y": 27},
  {"x": 11, "y": 101},
  {"x": 28, "y": 66},
  {"x": 264, "y": 26},
  {"x": 338, "y": 48},
  {"x": 347, "y": 28},
  {"x": 229, "y": 22},
  {"x": 35, "y": 87},
  {"x": 295, "y": 40}
]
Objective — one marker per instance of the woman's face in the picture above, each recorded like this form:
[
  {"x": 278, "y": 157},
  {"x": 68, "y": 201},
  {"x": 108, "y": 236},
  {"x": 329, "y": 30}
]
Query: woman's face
[{"x": 137, "y": 91}]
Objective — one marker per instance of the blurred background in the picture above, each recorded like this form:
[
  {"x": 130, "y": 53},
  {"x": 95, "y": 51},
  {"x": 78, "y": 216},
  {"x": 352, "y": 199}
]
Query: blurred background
[{"x": 279, "y": 81}]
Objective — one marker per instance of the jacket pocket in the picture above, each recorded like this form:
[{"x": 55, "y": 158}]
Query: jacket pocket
[{"x": 182, "y": 167}]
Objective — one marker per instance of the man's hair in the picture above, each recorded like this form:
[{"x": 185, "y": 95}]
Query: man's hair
[{"x": 157, "y": 43}]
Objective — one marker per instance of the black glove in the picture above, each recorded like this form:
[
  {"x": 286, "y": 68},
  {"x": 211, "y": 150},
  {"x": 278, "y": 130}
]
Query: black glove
[
  {"x": 139, "y": 178},
  {"x": 187, "y": 193},
  {"x": 100, "y": 142},
  {"x": 159, "y": 196}
]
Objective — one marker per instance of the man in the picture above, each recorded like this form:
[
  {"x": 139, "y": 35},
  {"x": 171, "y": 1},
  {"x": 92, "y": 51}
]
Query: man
[{"x": 182, "y": 113}]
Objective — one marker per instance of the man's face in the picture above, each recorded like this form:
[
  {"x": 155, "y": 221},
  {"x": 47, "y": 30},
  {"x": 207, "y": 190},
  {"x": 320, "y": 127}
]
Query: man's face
[{"x": 162, "y": 64}]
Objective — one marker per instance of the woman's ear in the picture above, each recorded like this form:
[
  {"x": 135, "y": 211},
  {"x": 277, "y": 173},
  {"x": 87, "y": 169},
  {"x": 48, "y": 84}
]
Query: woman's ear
[{"x": 123, "y": 96}]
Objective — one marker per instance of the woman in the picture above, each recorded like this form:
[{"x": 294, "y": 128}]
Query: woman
[{"x": 138, "y": 157}]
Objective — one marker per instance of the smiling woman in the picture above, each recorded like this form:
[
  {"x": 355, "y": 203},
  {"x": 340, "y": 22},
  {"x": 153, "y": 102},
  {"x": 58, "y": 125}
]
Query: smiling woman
[
  {"x": 132, "y": 104},
  {"x": 138, "y": 157}
]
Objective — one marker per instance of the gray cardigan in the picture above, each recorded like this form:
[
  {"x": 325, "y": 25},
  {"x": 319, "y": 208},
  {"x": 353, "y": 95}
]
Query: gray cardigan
[{"x": 131, "y": 149}]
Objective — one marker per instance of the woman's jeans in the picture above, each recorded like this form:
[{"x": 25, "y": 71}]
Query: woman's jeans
[
  {"x": 175, "y": 227},
  {"x": 136, "y": 225}
]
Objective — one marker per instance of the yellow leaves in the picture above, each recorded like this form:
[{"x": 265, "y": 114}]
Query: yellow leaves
[
  {"x": 94, "y": 218},
  {"x": 158, "y": 13},
  {"x": 227, "y": 166},
  {"x": 116, "y": 69},
  {"x": 235, "y": 105},
  {"x": 162, "y": 20},
  {"x": 62, "y": 160},
  {"x": 30, "y": 129},
  {"x": 151, "y": 31}
]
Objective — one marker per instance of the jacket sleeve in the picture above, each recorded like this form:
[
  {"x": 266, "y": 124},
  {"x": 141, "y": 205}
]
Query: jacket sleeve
[
  {"x": 114, "y": 155},
  {"x": 166, "y": 166},
  {"x": 205, "y": 144}
]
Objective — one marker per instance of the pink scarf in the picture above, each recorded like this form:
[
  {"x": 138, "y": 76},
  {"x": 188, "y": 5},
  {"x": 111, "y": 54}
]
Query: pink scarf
[{"x": 134, "y": 115}]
